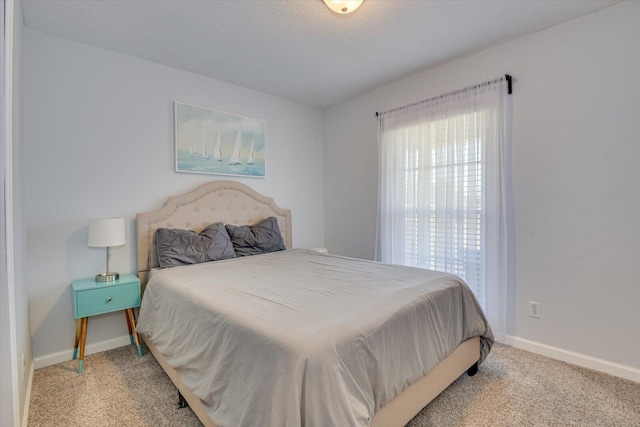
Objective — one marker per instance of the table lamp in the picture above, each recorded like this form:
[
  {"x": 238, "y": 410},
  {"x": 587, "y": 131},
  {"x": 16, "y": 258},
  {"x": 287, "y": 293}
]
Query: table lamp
[{"x": 105, "y": 233}]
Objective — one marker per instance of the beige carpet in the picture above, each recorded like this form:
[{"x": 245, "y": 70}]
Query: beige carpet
[{"x": 513, "y": 388}]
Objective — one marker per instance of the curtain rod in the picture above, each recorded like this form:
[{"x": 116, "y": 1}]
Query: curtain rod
[{"x": 506, "y": 77}]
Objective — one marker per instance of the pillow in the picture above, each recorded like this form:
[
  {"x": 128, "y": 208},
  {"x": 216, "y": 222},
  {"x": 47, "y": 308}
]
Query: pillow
[
  {"x": 184, "y": 247},
  {"x": 256, "y": 239}
]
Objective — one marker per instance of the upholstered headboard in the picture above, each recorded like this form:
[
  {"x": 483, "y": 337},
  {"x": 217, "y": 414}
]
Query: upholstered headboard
[{"x": 228, "y": 202}]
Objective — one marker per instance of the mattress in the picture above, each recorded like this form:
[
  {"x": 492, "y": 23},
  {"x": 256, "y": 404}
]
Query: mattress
[{"x": 298, "y": 338}]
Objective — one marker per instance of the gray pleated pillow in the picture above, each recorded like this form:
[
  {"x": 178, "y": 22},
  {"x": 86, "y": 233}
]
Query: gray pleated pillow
[
  {"x": 184, "y": 247},
  {"x": 256, "y": 239}
]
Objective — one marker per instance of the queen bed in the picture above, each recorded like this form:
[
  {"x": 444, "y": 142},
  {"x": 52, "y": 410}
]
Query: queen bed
[{"x": 296, "y": 337}]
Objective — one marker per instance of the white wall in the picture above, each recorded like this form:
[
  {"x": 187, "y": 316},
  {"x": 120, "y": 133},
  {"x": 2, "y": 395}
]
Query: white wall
[
  {"x": 23, "y": 332},
  {"x": 16, "y": 337},
  {"x": 576, "y": 177},
  {"x": 8, "y": 411},
  {"x": 99, "y": 132}
]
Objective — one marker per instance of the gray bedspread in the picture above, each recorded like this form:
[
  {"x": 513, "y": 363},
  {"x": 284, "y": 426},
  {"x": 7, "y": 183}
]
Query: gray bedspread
[{"x": 297, "y": 338}]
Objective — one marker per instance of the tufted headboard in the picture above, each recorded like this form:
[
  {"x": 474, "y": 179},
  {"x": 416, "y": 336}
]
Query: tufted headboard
[{"x": 228, "y": 202}]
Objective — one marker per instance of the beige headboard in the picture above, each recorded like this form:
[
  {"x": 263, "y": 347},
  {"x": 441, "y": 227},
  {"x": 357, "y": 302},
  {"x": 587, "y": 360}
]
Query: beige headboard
[{"x": 228, "y": 202}]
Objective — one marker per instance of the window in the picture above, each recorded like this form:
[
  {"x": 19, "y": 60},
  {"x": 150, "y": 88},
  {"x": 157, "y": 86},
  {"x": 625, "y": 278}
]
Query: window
[
  {"x": 436, "y": 237},
  {"x": 442, "y": 199}
]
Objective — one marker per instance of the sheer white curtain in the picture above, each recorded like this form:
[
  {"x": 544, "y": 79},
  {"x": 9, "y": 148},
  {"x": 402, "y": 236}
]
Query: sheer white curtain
[{"x": 443, "y": 193}]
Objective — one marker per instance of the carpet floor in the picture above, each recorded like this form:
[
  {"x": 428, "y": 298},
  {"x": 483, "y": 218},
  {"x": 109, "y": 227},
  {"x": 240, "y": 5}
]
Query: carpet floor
[{"x": 513, "y": 388}]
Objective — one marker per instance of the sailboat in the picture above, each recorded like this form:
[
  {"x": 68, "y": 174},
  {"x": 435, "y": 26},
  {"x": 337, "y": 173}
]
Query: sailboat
[
  {"x": 251, "y": 161},
  {"x": 192, "y": 149},
  {"x": 235, "y": 156},
  {"x": 217, "y": 151},
  {"x": 205, "y": 154}
]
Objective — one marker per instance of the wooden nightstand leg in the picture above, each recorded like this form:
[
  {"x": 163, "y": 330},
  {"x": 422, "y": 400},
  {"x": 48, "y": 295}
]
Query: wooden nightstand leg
[
  {"x": 83, "y": 341},
  {"x": 126, "y": 315},
  {"x": 132, "y": 318},
  {"x": 75, "y": 346}
]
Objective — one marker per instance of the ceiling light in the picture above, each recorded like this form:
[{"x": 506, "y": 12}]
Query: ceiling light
[{"x": 343, "y": 6}]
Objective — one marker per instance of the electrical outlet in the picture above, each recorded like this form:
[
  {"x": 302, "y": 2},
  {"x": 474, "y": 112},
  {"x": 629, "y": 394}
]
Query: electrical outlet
[{"x": 534, "y": 309}]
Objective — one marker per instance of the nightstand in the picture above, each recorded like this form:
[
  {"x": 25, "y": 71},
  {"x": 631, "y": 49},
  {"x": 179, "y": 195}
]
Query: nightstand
[{"x": 91, "y": 298}]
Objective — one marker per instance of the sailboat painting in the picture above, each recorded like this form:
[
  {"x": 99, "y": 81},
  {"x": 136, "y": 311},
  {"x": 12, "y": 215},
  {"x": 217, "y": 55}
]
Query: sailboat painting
[{"x": 214, "y": 142}]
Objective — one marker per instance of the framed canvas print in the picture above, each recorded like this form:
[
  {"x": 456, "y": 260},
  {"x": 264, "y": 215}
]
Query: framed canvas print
[{"x": 215, "y": 142}]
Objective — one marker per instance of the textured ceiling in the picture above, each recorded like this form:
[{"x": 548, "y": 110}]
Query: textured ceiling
[{"x": 298, "y": 49}]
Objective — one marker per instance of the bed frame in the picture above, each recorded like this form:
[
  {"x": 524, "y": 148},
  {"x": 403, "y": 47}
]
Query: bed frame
[{"x": 233, "y": 203}]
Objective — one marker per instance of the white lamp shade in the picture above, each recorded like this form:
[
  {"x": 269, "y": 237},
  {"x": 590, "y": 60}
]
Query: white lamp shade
[{"x": 106, "y": 232}]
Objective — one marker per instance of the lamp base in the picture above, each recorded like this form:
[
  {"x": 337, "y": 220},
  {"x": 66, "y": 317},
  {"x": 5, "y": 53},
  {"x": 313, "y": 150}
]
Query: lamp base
[{"x": 107, "y": 277}]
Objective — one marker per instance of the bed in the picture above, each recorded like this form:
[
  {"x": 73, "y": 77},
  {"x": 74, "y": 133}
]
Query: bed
[{"x": 296, "y": 337}]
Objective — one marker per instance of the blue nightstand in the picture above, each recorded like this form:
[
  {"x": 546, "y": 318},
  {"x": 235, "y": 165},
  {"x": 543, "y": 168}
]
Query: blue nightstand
[{"x": 91, "y": 298}]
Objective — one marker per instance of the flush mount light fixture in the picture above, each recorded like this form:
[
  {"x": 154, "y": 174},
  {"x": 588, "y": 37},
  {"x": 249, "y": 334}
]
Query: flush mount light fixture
[{"x": 343, "y": 6}]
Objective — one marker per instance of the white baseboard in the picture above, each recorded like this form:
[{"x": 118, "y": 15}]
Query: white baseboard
[
  {"x": 27, "y": 397},
  {"x": 64, "y": 356},
  {"x": 612, "y": 368}
]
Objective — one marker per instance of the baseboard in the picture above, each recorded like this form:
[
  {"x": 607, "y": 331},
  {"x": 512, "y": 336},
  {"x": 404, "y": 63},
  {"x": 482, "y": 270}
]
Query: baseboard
[
  {"x": 606, "y": 366},
  {"x": 66, "y": 355},
  {"x": 27, "y": 397},
  {"x": 612, "y": 368}
]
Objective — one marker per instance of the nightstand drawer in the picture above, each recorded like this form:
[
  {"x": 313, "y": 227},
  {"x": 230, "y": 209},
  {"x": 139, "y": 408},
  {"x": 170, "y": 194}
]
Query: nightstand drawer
[{"x": 105, "y": 300}]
